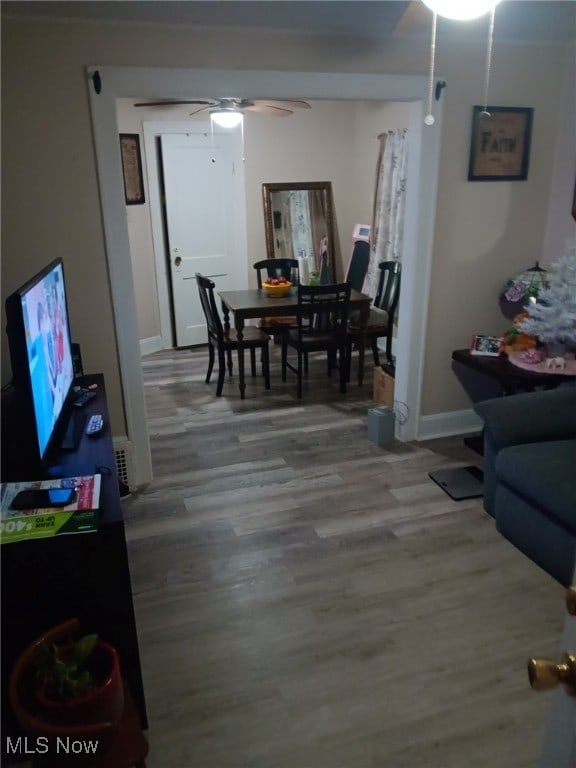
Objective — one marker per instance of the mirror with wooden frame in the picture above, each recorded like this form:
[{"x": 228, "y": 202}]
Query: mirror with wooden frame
[{"x": 299, "y": 223}]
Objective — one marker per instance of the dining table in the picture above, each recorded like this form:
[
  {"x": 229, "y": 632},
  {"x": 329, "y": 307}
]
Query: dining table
[{"x": 255, "y": 303}]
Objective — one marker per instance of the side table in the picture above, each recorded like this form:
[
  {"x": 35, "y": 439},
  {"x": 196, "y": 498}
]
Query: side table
[
  {"x": 485, "y": 377},
  {"x": 500, "y": 375}
]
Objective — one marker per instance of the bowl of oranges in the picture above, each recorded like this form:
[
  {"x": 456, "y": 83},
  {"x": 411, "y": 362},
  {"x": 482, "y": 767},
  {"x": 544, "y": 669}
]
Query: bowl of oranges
[{"x": 276, "y": 287}]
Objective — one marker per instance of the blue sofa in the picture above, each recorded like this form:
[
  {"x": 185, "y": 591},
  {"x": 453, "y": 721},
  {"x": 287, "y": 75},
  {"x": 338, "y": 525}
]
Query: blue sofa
[{"x": 530, "y": 474}]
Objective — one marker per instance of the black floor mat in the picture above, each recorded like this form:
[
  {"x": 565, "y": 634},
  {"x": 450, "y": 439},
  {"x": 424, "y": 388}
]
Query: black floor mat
[{"x": 460, "y": 482}]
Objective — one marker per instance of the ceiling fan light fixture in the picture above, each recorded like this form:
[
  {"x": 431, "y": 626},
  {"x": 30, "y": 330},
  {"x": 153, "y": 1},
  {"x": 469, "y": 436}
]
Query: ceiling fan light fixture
[
  {"x": 226, "y": 117},
  {"x": 461, "y": 10}
]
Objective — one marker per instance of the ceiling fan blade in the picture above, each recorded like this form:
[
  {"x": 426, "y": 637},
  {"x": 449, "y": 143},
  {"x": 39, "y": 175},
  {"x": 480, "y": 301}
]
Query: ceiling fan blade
[
  {"x": 173, "y": 103},
  {"x": 202, "y": 109},
  {"x": 284, "y": 103},
  {"x": 269, "y": 109},
  {"x": 278, "y": 107}
]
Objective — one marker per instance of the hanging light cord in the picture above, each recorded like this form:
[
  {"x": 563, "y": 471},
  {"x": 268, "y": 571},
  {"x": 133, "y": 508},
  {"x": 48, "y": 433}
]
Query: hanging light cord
[
  {"x": 485, "y": 112},
  {"x": 429, "y": 119}
]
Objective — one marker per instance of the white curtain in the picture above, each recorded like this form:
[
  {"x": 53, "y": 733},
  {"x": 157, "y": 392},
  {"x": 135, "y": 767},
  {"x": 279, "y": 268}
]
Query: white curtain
[
  {"x": 302, "y": 244},
  {"x": 389, "y": 205}
]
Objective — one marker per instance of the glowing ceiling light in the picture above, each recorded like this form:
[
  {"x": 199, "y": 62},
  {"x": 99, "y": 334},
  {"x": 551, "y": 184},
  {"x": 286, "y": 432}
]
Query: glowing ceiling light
[
  {"x": 226, "y": 117},
  {"x": 461, "y": 10}
]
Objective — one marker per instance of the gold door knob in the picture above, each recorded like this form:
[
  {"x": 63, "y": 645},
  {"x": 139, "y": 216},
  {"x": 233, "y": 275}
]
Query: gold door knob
[{"x": 544, "y": 674}]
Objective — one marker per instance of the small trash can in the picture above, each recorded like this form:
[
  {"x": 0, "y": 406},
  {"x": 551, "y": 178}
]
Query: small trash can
[{"x": 381, "y": 426}]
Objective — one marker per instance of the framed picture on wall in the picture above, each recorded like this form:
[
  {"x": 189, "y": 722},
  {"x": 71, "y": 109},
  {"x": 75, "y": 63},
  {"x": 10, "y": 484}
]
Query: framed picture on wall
[
  {"x": 500, "y": 144},
  {"x": 132, "y": 168}
]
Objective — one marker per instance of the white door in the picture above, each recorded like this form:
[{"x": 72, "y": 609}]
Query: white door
[
  {"x": 203, "y": 179},
  {"x": 560, "y": 740}
]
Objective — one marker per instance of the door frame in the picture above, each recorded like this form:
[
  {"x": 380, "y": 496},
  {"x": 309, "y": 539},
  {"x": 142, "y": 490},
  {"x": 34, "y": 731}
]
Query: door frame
[
  {"x": 152, "y": 129},
  {"x": 422, "y": 185}
]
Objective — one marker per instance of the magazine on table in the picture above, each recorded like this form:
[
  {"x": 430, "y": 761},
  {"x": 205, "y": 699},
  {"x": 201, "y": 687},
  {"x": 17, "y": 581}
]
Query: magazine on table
[{"x": 79, "y": 516}]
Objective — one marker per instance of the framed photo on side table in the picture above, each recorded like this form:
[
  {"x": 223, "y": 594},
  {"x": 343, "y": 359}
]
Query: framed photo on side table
[
  {"x": 500, "y": 144},
  {"x": 132, "y": 168},
  {"x": 489, "y": 346}
]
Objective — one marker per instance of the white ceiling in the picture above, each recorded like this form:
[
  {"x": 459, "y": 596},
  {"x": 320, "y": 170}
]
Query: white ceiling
[{"x": 519, "y": 20}]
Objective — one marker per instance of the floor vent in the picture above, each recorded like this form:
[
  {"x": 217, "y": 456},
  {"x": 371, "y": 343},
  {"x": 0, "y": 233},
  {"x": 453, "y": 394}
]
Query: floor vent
[{"x": 124, "y": 460}]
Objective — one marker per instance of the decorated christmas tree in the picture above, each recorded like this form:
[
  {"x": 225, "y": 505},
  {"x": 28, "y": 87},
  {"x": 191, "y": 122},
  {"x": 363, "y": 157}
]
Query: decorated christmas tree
[{"x": 553, "y": 317}]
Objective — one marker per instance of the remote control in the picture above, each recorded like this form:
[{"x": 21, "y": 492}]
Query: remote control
[
  {"x": 83, "y": 398},
  {"x": 95, "y": 425}
]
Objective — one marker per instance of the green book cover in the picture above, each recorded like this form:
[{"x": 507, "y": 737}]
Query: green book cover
[{"x": 40, "y": 526}]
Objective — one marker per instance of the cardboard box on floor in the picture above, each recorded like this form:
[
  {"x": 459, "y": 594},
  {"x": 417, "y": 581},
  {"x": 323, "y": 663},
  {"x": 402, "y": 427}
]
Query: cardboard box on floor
[{"x": 383, "y": 393}]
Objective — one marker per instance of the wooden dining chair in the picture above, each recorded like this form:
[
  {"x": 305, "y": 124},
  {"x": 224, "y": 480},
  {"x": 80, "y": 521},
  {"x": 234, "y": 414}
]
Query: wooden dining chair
[
  {"x": 358, "y": 265},
  {"x": 321, "y": 326},
  {"x": 382, "y": 315},
  {"x": 223, "y": 342},
  {"x": 266, "y": 269}
]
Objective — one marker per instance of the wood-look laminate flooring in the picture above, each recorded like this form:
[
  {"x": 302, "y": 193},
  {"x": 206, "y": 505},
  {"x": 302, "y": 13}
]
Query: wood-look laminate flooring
[{"x": 307, "y": 599}]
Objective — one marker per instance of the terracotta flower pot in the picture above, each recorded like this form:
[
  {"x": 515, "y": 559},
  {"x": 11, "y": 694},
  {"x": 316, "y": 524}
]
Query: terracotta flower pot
[
  {"x": 104, "y": 703},
  {"x": 95, "y": 714}
]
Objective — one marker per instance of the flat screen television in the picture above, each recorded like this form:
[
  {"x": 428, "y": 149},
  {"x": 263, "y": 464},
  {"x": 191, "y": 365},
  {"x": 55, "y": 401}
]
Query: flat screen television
[{"x": 41, "y": 355}]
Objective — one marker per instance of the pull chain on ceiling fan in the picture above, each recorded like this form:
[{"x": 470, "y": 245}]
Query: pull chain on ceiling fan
[{"x": 460, "y": 10}]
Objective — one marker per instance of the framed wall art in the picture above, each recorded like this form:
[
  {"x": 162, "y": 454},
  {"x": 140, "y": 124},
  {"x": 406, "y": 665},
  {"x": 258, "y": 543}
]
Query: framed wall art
[
  {"x": 500, "y": 145},
  {"x": 132, "y": 168}
]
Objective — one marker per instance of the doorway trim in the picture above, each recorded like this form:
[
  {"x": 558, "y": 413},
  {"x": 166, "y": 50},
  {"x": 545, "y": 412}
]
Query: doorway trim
[{"x": 423, "y": 167}]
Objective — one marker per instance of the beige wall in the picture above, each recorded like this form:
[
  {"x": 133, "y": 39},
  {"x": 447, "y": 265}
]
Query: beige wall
[
  {"x": 484, "y": 231},
  {"x": 140, "y": 234}
]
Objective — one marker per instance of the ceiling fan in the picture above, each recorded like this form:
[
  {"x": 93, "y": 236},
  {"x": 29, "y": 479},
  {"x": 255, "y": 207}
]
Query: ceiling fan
[{"x": 278, "y": 108}]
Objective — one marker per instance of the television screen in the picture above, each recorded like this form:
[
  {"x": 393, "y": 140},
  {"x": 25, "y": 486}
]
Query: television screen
[{"x": 40, "y": 347}]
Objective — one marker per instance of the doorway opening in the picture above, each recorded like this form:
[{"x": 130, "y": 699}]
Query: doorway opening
[
  {"x": 419, "y": 223},
  {"x": 348, "y": 160}
]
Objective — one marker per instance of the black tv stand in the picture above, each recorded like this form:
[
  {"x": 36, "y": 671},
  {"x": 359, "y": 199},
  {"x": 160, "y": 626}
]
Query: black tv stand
[
  {"x": 74, "y": 429},
  {"x": 47, "y": 581}
]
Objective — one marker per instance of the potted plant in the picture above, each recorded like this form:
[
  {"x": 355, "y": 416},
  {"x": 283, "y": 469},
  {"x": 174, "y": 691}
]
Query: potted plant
[{"x": 63, "y": 684}]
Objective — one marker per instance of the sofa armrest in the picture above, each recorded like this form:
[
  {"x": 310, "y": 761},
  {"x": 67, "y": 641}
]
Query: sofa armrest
[{"x": 530, "y": 417}]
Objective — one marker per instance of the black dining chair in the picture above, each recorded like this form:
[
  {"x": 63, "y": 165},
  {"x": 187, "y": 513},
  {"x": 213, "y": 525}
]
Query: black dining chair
[
  {"x": 358, "y": 265},
  {"x": 224, "y": 342},
  {"x": 321, "y": 326},
  {"x": 382, "y": 315},
  {"x": 266, "y": 269}
]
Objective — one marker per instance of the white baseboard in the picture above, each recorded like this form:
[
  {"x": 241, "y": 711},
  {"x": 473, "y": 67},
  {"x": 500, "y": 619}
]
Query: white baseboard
[
  {"x": 153, "y": 344},
  {"x": 446, "y": 424}
]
